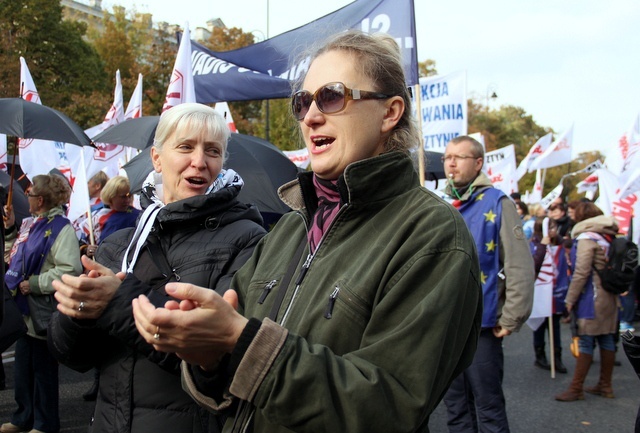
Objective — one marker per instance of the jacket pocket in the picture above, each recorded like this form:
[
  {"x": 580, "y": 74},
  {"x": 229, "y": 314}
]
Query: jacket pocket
[{"x": 344, "y": 304}]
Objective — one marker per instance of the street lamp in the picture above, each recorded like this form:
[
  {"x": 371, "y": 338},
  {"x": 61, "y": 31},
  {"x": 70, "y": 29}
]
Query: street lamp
[{"x": 491, "y": 94}]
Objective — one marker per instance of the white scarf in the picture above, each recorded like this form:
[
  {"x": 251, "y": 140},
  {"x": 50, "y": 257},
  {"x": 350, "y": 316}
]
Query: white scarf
[{"x": 153, "y": 183}]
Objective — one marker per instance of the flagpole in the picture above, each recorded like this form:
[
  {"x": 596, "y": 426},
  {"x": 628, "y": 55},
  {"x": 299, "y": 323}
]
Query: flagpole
[
  {"x": 266, "y": 114},
  {"x": 92, "y": 238},
  {"x": 421, "y": 170},
  {"x": 13, "y": 174},
  {"x": 552, "y": 352},
  {"x": 542, "y": 178}
]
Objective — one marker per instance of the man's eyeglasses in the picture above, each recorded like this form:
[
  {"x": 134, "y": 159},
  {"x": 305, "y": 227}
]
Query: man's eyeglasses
[
  {"x": 330, "y": 99},
  {"x": 29, "y": 194},
  {"x": 456, "y": 158}
]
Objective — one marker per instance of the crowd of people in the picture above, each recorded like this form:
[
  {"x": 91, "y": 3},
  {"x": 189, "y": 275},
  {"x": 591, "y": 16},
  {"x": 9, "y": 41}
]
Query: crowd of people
[{"x": 365, "y": 306}]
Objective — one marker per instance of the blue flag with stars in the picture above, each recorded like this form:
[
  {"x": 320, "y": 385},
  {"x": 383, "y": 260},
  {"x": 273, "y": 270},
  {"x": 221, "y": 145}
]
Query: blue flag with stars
[{"x": 482, "y": 213}]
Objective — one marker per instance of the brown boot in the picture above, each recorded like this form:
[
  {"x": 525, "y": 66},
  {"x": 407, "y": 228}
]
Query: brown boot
[
  {"x": 603, "y": 388},
  {"x": 575, "y": 388}
]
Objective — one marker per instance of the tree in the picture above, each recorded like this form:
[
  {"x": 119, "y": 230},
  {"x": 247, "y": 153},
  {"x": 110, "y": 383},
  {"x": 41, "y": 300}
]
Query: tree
[
  {"x": 156, "y": 67},
  {"x": 504, "y": 126},
  {"x": 62, "y": 64},
  {"x": 427, "y": 68}
]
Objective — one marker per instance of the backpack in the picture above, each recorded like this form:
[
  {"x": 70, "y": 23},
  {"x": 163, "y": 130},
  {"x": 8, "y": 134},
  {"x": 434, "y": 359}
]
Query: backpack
[{"x": 620, "y": 265}]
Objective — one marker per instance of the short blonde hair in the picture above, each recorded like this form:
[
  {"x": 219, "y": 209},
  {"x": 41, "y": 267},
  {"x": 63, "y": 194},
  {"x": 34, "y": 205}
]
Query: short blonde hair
[
  {"x": 194, "y": 117},
  {"x": 114, "y": 186}
]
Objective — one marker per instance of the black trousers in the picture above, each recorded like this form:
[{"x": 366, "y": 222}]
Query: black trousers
[{"x": 475, "y": 401}]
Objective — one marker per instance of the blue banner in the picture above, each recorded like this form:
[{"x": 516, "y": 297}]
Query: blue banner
[{"x": 264, "y": 70}]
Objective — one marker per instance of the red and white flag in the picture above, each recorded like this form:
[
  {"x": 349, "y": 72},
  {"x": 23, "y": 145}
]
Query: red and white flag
[
  {"x": 134, "y": 108},
  {"x": 536, "y": 150},
  {"x": 536, "y": 194},
  {"x": 36, "y": 156},
  {"x": 79, "y": 206},
  {"x": 558, "y": 153},
  {"x": 631, "y": 184},
  {"x": 299, "y": 157},
  {"x": 625, "y": 156},
  {"x": 223, "y": 109},
  {"x": 625, "y": 210},
  {"x": 589, "y": 186},
  {"x": 500, "y": 167},
  {"x": 181, "y": 87},
  {"x": 106, "y": 156},
  {"x": 134, "y": 111}
]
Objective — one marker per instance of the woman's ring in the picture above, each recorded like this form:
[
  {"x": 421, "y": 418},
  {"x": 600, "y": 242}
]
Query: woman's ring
[
  {"x": 156, "y": 336},
  {"x": 81, "y": 306}
]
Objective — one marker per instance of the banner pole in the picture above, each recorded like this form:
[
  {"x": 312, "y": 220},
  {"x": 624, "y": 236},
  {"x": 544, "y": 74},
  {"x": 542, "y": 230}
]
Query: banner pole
[
  {"x": 552, "y": 352},
  {"x": 421, "y": 168}
]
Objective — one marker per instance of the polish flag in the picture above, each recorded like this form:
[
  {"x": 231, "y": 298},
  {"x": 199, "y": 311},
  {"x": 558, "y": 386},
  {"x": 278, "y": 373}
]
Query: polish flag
[
  {"x": 181, "y": 87},
  {"x": 223, "y": 109},
  {"x": 558, "y": 153},
  {"x": 36, "y": 156}
]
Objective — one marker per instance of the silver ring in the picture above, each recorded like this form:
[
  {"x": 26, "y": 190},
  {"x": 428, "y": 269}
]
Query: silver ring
[
  {"x": 156, "y": 336},
  {"x": 81, "y": 306}
]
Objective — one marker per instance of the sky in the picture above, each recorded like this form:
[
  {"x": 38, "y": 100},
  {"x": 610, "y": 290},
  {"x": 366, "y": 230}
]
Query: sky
[{"x": 569, "y": 62}]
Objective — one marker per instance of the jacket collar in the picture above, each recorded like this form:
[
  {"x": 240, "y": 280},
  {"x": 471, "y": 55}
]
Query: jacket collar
[
  {"x": 600, "y": 224},
  {"x": 481, "y": 181},
  {"x": 366, "y": 181}
]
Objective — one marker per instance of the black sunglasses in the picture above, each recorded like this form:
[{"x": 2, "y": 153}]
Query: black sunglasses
[{"x": 330, "y": 98}]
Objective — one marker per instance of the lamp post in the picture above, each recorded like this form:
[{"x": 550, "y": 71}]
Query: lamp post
[{"x": 490, "y": 94}]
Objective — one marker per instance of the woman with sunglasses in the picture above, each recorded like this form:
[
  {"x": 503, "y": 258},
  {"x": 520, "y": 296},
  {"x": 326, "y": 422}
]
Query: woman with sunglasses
[
  {"x": 358, "y": 309},
  {"x": 42, "y": 249}
]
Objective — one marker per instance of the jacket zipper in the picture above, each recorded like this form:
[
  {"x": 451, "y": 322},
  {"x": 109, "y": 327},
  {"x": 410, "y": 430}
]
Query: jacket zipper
[
  {"x": 308, "y": 261},
  {"x": 267, "y": 289},
  {"x": 328, "y": 313},
  {"x": 301, "y": 274}
]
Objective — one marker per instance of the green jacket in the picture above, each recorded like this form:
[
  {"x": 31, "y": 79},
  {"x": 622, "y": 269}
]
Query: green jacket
[
  {"x": 386, "y": 316},
  {"x": 63, "y": 258}
]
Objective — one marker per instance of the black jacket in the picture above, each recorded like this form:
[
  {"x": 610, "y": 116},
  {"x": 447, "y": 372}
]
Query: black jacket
[{"x": 202, "y": 240}]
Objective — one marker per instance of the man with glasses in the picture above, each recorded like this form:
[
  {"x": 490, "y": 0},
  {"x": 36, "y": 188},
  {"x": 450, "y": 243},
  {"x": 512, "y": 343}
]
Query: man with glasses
[{"x": 475, "y": 401}]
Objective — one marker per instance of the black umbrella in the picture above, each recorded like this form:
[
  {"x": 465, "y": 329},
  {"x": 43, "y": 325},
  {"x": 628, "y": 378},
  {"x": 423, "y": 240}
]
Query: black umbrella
[
  {"x": 25, "y": 119},
  {"x": 434, "y": 167},
  {"x": 137, "y": 133},
  {"x": 262, "y": 166}
]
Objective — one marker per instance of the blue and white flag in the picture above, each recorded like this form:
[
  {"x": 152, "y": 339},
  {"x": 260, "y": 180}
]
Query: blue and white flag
[
  {"x": 264, "y": 70},
  {"x": 443, "y": 109}
]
